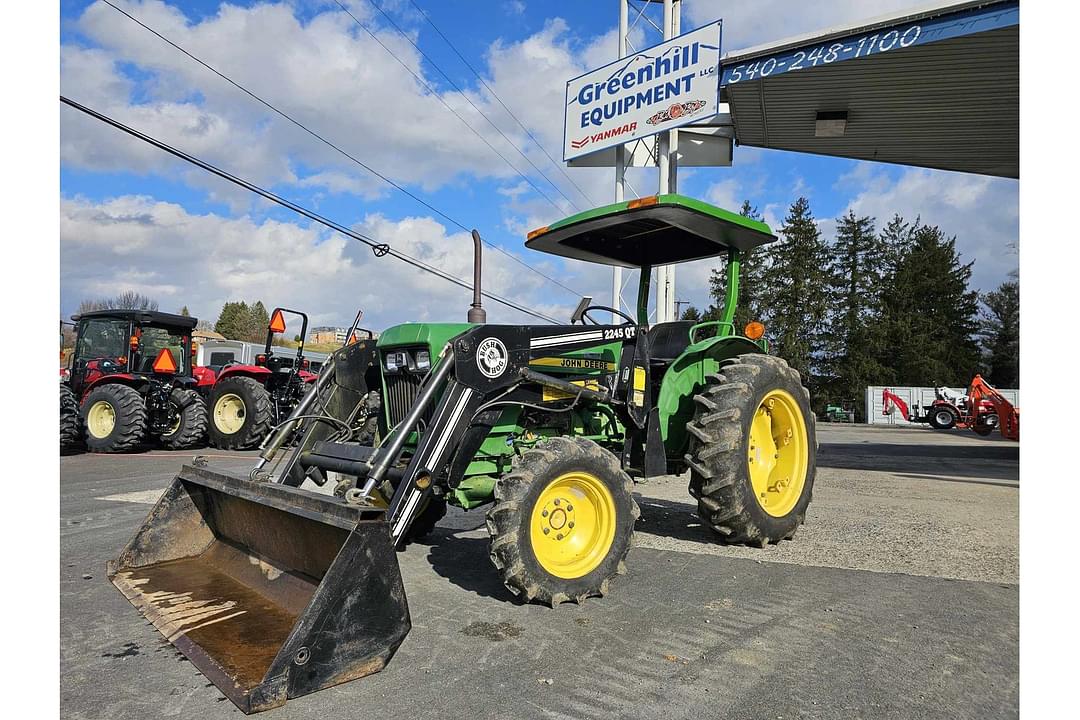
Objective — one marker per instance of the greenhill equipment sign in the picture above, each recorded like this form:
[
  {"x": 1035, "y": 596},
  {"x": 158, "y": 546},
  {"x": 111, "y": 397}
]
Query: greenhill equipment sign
[{"x": 660, "y": 88}]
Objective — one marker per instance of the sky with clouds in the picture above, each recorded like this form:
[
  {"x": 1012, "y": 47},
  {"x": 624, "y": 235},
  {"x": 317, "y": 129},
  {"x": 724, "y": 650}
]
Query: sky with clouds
[{"x": 132, "y": 217}]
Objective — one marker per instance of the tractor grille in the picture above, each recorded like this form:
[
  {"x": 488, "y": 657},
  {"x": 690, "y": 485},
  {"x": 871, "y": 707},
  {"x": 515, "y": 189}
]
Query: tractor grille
[{"x": 401, "y": 391}]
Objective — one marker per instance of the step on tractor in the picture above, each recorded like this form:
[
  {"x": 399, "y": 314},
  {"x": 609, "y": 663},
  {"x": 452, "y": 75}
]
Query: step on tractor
[
  {"x": 982, "y": 410},
  {"x": 129, "y": 380},
  {"x": 247, "y": 401},
  {"x": 285, "y": 581}
]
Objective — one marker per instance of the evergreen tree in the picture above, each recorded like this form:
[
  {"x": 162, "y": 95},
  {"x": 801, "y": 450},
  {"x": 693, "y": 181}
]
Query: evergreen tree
[
  {"x": 893, "y": 242},
  {"x": 753, "y": 288},
  {"x": 855, "y": 276},
  {"x": 798, "y": 293},
  {"x": 185, "y": 312},
  {"x": 929, "y": 316},
  {"x": 258, "y": 322},
  {"x": 691, "y": 313},
  {"x": 1000, "y": 333},
  {"x": 233, "y": 321}
]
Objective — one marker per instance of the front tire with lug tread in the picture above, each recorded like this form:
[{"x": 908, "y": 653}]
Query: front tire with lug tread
[
  {"x": 70, "y": 424},
  {"x": 240, "y": 414},
  {"x": 753, "y": 450},
  {"x": 192, "y": 421},
  {"x": 562, "y": 522},
  {"x": 114, "y": 417}
]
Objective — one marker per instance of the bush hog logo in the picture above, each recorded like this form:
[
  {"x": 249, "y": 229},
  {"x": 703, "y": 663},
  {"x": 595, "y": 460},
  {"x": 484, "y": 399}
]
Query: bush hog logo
[
  {"x": 676, "y": 111},
  {"x": 597, "y": 137},
  {"x": 491, "y": 357}
]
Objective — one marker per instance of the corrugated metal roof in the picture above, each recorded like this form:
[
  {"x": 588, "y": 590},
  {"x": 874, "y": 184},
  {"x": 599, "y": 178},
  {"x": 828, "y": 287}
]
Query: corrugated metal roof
[{"x": 951, "y": 104}]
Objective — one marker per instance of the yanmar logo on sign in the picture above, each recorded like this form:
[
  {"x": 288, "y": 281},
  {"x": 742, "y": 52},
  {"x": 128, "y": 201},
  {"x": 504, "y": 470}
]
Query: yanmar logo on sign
[{"x": 626, "y": 129}]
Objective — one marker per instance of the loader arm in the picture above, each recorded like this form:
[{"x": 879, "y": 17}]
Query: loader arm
[{"x": 1008, "y": 414}]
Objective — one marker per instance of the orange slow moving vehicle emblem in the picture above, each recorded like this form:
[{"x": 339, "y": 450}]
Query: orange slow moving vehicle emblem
[
  {"x": 165, "y": 362},
  {"x": 277, "y": 323}
]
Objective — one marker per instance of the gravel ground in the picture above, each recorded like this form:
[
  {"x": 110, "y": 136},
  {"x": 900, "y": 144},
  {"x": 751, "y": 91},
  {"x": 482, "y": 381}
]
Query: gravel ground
[{"x": 898, "y": 599}]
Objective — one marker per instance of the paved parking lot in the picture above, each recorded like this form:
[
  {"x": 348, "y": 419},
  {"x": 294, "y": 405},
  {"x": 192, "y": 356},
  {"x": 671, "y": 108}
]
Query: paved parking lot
[{"x": 897, "y": 599}]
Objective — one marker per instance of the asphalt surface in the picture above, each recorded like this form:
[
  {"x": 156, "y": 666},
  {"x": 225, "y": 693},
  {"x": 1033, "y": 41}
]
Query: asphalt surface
[{"x": 897, "y": 599}]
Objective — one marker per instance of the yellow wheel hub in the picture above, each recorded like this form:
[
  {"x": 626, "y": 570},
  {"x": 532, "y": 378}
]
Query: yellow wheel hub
[
  {"x": 101, "y": 419},
  {"x": 572, "y": 525},
  {"x": 229, "y": 413},
  {"x": 779, "y": 451}
]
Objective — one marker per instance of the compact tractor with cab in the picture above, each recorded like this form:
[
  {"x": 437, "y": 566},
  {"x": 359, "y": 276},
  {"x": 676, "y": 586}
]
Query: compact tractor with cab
[
  {"x": 274, "y": 589},
  {"x": 130, "y": 379},
  {"x": 247, "y": 401}
]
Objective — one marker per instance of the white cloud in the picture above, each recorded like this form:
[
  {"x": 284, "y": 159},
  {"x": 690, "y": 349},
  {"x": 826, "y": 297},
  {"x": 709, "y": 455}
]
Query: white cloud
[
  {"x": 182, "y": 258},
  {"x": 747, "y": 24}
]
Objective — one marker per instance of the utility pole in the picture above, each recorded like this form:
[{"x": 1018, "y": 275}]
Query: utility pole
[
  {"x": 667, "y": 147},
  {"x": 667, "y": 151},
  {"x": 620, "y": 171}
]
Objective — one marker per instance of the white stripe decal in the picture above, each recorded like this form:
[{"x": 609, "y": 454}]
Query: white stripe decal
[
  {"x": 433, "y": 459},
  {"x": 569, "y": 338},
  {"x": 409, "y": 505}
]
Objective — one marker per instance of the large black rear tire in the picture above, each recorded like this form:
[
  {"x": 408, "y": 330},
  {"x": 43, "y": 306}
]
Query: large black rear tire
[
  {"x": 546, "y": 549},
  {"x": 753, "y": 450},
  {"x": 70, "y": 425},
  {"x": 192, "y": 421},
  {"x": 114, "y": 417},
  {"x": 240, "y": 414}
]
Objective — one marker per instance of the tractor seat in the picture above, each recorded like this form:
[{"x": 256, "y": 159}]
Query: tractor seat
[{"x": 667, "y": 341}]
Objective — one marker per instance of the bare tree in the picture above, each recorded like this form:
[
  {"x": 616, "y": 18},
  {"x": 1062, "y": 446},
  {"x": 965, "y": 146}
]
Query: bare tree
[{"x": 127, "y": 300}]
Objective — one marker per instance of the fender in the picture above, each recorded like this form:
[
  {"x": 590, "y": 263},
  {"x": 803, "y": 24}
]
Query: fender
[
  {"x": 134, "y": 381},
  {"x": 306, "y": 376},
  {"x": 254, "y": 372},
  {"x": 204, "y": 377},
  {"x": 684, "y": 378}
]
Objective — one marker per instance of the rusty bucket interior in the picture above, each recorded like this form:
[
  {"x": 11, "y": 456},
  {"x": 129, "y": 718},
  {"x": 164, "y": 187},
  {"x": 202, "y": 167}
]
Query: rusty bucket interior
[{"x": 271, "y": 591}]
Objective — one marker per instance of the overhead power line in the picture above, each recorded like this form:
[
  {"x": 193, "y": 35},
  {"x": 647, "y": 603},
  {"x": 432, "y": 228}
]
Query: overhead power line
[
  {"x": 380, "y": 249},
  {"x": 498, "y": 99},
  {"x": 473, "y": 105},
  {"x": 454, "y": 112},
  {"x": 332, "y": 145}
]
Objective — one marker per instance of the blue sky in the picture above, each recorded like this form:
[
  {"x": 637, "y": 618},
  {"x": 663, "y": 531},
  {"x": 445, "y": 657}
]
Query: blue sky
[{"x": 133, "y": 218}]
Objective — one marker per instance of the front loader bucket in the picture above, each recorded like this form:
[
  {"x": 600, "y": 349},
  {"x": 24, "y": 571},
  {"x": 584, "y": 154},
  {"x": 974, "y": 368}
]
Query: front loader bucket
[{"x": 272, "y": 592}]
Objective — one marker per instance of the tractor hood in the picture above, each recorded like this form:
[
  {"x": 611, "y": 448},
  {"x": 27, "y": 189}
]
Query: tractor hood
[
  {"x": 650, "y": 231},
  {"x": 433, "y": 335}
]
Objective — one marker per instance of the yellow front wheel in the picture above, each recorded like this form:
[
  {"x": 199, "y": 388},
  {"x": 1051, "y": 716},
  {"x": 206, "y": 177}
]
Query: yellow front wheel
[{"x": 562, "y": 522}]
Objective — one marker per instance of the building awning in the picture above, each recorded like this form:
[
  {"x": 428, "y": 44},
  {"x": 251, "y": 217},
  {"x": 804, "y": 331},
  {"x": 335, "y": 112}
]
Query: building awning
[{"x": 935, "y": 87}]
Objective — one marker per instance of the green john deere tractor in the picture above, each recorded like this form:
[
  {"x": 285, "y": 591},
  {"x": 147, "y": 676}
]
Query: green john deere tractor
[{"x": 293, "y": 590}]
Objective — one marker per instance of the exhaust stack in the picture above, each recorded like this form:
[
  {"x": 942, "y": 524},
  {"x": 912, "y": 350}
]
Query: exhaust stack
[{"x": 477, "y": 313}]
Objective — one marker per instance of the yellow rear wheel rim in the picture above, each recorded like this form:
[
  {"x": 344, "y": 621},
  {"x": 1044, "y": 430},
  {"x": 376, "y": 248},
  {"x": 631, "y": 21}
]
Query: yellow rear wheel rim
[
  {"x": 779, "y": 453},
  {"x": 229, "y": 413},
  {"x": 101, "y": 419},
  {"x": 572, "y": 526}
]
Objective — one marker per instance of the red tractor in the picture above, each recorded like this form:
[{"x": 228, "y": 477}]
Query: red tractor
[
  {"x": 130, "y": 379},
  {"x": 247, "y": 401},
  {"x": 982, "y": 409}
]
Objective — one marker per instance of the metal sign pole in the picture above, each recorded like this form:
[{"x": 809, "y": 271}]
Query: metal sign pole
[
  {"x": 667, "y": 144},
  {"x": 620, "y": 171}
]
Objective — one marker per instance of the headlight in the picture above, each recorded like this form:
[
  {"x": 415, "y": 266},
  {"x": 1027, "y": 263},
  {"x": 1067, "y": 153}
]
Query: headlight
[
  {"x": 395, "y": 361},
  {"x": 423, "y": 360}
]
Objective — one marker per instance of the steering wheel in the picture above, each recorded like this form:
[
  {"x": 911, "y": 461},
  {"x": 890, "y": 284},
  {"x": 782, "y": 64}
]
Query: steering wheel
[{"x": 585, "y": 314}]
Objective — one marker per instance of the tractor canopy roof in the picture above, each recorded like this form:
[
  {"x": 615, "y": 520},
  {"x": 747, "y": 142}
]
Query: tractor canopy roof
[
  {"x": 143, "y": 317},
  {"x": 655, "y": 230}
]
